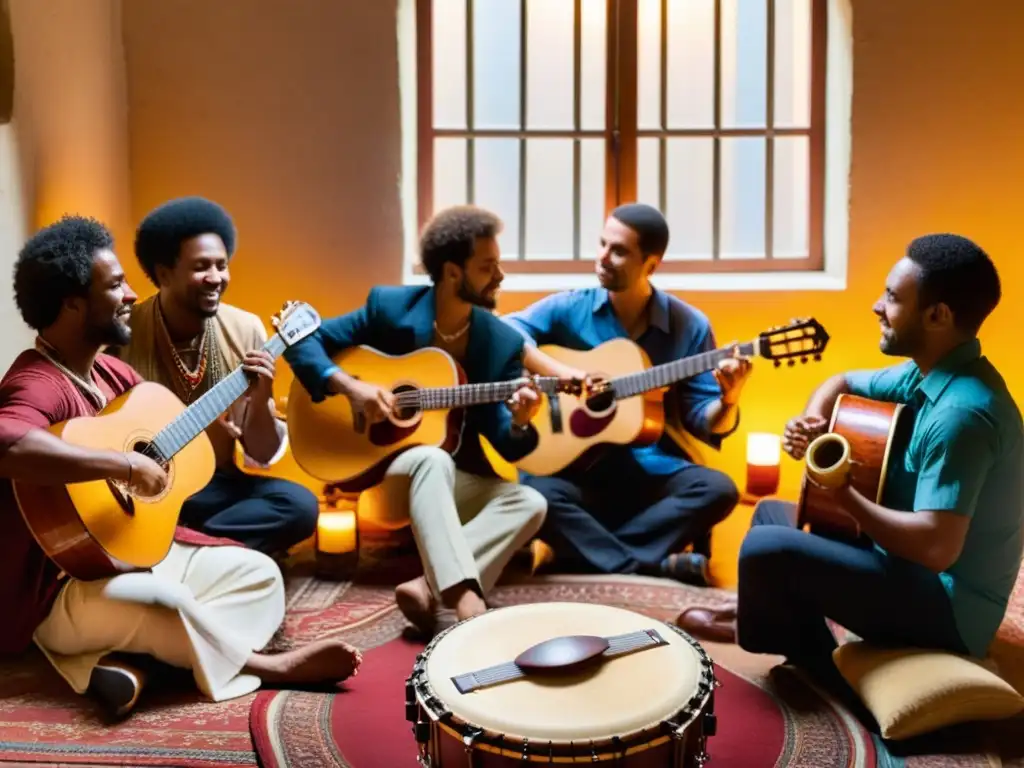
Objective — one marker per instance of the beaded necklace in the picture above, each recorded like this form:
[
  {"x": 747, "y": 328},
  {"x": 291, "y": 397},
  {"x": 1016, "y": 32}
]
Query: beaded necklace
[{"x": 189, "y": 379}]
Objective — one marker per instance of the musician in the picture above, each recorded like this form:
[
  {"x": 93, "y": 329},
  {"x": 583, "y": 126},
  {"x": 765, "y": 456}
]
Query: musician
[
  {"x": 633, "y": 510},
  {"x": 466, "y": 520},
  {"x": 187, "y": 339},
  {"x": 945, "y": 546},
  {"x": 210, "y": 605}
]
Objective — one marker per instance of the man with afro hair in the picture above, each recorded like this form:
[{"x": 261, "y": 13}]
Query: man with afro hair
[
  {"x": 209, "y": 606},
  {"x": 468, "y": 522},
  {"x": 187, "y": 339}
]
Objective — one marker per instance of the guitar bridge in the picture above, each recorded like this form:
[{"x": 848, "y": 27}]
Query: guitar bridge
[{"x": 555, "y": 409}]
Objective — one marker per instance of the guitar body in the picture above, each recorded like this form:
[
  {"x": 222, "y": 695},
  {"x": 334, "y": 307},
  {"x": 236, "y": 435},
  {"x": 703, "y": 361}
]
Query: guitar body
[
  {"x": 331, "y": 444},
  {"x": 600, "y": 420},
  {"x": 870, "y": 427},
  {"x": 92, "y": 530}
]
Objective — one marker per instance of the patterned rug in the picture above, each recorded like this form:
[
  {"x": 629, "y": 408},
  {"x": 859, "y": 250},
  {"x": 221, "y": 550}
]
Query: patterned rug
[
  {"x": 764, "y": 719},
  {"x": 43, "y": 723}
]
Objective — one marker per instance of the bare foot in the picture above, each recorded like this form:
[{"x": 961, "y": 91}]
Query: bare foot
[
  {"x": 417, "y": 604},
  {"x": 469, "y": 604},
  {"x": 319, "y": 662}
]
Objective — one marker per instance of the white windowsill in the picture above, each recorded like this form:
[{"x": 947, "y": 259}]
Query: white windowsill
[{"x": 726, "y": 281}]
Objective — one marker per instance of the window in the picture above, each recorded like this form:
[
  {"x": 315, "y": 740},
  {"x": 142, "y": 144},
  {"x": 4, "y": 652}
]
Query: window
[{"x": 552, "y": 112}]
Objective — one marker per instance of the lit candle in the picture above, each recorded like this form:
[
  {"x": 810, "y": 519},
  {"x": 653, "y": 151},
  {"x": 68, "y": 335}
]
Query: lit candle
[
  {"x": 336, "y": 532},
  {"x": 764, "y": 452}
]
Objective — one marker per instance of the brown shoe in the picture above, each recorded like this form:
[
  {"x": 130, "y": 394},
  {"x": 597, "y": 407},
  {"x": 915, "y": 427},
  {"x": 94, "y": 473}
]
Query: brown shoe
[{"x": 716, "y": 626}]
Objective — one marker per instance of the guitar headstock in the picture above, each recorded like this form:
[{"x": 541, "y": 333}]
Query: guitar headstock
[
  {"x": 295, "y": 321},
  {"x": 801, "y": 338}
]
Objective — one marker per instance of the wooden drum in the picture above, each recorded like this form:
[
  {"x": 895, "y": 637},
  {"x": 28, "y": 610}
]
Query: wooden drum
[{"x": 562, "y": 683}]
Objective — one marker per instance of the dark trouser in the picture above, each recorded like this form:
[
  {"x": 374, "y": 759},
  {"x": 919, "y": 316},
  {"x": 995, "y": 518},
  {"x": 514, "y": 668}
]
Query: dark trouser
[
  {"x": 619, "y": 519},
  {"x": 264, "y": 513},
  {"x": 790, "y": 581}
]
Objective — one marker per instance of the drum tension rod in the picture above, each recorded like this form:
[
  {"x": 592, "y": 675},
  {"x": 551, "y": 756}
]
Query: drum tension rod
[
  {"x": 618, "y": 749},
  {"x": 411, "y": 708},
  {"x": 470, "y": 736},
  {"x": 421, "y": 731}
]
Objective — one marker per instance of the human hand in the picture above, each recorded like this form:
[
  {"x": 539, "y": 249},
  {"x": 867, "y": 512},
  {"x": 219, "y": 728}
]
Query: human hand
[
  {"x": 230, "y": 426},
  {"x": 800, "y": 432},
  {"x": 732, "y": 373},
  {"x": 145, "y": 478},
  {"x": 524, "y": 404},
  {"x": 259, "y": 367},
  {"x": 375, "y": 403}
]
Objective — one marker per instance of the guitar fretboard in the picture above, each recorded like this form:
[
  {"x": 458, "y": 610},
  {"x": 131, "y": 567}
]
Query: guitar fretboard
[
  {"x": 204, "y": 411},
  {"x": 464, "y": 395},
  {"x": 659, "y": 376}
]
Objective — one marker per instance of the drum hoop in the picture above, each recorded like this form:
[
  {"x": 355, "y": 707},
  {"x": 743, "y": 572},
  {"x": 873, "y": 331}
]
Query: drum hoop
[{"x": 675, "y": 726}]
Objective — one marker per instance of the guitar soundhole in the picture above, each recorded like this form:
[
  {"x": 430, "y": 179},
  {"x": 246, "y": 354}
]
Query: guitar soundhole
[
  {"x": 120, "y": 490},
  {"x": 828, "y": 455},
  {"x": 405, "y": 415},
  {"x": 601, "y": 402},
  {"x": 403, "y": 422}
]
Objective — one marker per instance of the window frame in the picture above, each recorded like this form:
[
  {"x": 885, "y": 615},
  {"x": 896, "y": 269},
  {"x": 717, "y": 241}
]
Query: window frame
[{"x": 621, "y": 156}]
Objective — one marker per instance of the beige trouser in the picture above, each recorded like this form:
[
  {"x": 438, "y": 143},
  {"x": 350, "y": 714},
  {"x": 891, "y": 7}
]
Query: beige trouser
[
  {"x": 467, "y": 527},
  {"x": 202, "y": 608}
]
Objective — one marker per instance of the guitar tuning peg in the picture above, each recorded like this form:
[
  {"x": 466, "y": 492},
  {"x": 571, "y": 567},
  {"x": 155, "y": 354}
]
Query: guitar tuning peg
[
  {"x": 778, "y": 363},
  {"x": 792, "y": 362},
  {"x": 803, "y": 359},
  {"x": 817, "y": 358}
]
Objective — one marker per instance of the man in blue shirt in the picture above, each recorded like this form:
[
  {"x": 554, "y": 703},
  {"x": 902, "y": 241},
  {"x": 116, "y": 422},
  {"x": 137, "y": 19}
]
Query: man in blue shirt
[
  {"x": 945, "y": 549},
  {"x": 468, "y": 522},
  {"x": 635, "y": 508}
]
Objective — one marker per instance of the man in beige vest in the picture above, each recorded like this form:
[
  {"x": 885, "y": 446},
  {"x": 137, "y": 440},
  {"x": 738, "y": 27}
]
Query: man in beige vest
[{"x": 185, "y": 338}]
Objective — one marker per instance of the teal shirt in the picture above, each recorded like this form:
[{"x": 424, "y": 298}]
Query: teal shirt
[{"x": 965, "y": 455}]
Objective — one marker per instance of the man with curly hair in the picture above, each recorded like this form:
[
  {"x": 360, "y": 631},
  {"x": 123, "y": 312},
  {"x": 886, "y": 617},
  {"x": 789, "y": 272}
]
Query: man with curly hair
[
  {"x": 466, "y": 520},
  {"x": 187, "y": 339},
  {"x": 209, "y": 605}
]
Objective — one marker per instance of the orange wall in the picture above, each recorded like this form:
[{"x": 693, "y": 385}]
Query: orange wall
[
  {"x": 64, "y": 150},
  {"x": 288, "y": 114}
]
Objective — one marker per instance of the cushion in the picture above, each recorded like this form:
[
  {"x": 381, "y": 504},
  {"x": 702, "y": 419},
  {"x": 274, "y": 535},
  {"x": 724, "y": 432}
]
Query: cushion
[{"x": 914, "y": 691}]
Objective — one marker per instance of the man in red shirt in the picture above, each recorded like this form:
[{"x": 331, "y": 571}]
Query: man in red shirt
[{"x": 210, "y": 605}]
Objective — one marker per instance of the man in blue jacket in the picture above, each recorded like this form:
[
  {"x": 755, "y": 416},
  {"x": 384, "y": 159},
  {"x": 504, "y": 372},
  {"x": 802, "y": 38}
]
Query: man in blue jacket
[{"x": 467, "y": 521}]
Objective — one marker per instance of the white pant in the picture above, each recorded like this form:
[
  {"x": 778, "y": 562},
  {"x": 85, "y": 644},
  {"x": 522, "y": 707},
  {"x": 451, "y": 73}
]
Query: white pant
[
  {"x": 466, "y": 527},
  {"x": 202, "y": 608}
]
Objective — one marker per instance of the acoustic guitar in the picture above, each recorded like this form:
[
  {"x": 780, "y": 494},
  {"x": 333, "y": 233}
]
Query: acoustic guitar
[
  {"x": 96, "y": 529},
  {"x": 334, "y": 443},
  {"x": 627, "y": 408},
  {"x": 858, "y": 445}
]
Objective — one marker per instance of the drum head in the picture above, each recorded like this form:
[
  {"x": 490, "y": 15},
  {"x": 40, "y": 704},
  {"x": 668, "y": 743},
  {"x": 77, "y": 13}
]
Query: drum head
[{"x": 614, "y": 697}]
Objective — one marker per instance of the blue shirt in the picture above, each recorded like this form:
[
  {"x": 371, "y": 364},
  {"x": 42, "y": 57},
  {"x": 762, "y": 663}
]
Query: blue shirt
[
  {"x": 583, "y": 319},
  {"x": 965, "y": 455}
]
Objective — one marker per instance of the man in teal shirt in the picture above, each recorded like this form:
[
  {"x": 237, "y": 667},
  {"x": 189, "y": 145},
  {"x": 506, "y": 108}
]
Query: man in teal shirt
[{"x": 946, "y": 546}]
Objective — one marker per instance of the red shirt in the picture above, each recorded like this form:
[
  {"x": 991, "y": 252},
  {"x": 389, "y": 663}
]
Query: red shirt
[{"x": 35, "y": 394}]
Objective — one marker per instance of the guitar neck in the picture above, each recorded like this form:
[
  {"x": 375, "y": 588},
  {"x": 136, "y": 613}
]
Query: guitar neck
[
  {"x": 465, "y": 395},
  {"x": 204, "y": 411},
  {"x": 666, "y": 374}
]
